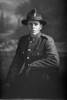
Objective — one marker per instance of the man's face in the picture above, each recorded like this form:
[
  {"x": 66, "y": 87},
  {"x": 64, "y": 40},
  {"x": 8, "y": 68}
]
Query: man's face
[{"x": 34, "y": 27}]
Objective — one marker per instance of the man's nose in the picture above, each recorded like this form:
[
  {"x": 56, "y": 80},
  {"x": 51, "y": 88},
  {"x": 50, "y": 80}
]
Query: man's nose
[{"x": 33, "y": 25}]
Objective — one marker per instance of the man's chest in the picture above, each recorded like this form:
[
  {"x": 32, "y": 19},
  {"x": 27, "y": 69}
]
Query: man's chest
[{"x": 34, "y": 48}]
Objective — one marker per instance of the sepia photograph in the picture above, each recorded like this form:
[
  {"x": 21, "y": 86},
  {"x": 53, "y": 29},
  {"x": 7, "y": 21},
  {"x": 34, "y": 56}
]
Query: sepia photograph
[{"x": 33, "y": 49}]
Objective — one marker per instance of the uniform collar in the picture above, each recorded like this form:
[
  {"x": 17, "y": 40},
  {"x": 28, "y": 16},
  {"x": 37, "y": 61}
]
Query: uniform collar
[{"x": 34, "y": 38}]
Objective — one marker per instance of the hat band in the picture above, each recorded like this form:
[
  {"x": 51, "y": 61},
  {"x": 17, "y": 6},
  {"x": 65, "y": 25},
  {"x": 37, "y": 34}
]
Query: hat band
[{"x": 35, "y": 18}]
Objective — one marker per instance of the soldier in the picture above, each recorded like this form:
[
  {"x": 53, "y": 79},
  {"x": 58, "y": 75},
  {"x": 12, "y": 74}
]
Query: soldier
[{"x": 36, "y": 53}]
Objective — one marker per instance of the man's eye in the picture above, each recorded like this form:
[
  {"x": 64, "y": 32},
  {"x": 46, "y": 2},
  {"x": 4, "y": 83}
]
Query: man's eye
[
  {"x": 36, "y": 24},
  {"x": 33, "y": 24}
]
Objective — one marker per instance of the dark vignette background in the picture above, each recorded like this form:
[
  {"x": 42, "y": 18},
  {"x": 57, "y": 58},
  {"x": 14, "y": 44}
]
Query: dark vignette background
[{"x": 11, "y": 13}]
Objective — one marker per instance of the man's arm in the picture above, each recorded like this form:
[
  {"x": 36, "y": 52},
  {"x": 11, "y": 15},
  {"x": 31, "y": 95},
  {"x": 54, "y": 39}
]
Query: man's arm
[
  {"x": 16, "y": 64},
  {"x": 52, "y": 59}
]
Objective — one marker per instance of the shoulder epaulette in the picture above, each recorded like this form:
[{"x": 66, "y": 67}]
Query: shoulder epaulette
[{"x": 44, "y": 36}]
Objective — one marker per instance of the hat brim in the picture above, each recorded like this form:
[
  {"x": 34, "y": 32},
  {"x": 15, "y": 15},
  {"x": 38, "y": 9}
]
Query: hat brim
[{"x": 25, "y": 22}]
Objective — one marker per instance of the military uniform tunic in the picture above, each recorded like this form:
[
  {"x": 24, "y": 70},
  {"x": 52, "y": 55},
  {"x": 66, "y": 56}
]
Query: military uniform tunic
[
  {"x": 35, "y": 57},
  {"x": 41, "y": 51}
]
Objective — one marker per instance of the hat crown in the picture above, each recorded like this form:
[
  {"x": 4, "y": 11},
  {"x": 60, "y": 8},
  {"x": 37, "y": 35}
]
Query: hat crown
[{"x": 34, "y": 15}]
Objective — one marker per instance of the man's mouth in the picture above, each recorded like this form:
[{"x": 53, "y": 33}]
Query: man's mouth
[{"x": 33, "y": 30}]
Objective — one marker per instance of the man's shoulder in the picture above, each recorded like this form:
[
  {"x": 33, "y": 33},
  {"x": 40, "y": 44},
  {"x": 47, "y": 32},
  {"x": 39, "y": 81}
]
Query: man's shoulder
[
  {"x": 47, "y": 37},
  {"x": 24, "y": 37}
]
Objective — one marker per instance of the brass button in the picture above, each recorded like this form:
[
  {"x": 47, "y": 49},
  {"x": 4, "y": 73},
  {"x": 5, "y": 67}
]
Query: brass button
[
  {"x": 23, "y": 52},
  {"x": 38, "y": 53},
  {"x": 30, "y": 41},
  {"x": 29, "y": 49},
  {"x": 28, "y": 64},
  {"x": 27, "y": 57},
  {"x": 33, "y": 39}
]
